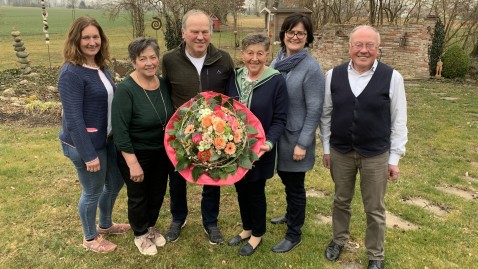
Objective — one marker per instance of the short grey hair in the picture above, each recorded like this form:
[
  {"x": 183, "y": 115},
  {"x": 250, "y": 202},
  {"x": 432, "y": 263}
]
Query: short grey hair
[
  {"x": 195, "y": 12},
  {"x": 256, "y": 39},
  {"x": 139, "y": 44},
  {"x": 365, "y": 27}
]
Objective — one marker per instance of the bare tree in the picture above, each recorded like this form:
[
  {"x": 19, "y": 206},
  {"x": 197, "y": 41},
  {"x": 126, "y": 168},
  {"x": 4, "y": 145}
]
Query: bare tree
[
  {"x": 71, "y": 4},
  {"x": 460, "y": 20},
  {"x": 393, "y": 9},
  {"x": 173, "y": 11},
  {"x": 235, "y": 7},
  {"x": 136, "y": 10},
  {"x": 413, "y": 10}
]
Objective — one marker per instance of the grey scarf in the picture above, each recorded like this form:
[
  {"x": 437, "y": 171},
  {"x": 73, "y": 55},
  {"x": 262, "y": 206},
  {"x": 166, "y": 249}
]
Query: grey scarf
[{"x": 284, "y": 64}]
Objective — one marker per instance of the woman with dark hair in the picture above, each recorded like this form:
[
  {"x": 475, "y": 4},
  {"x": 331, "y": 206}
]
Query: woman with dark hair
[
  {"x": 263, "y": 90},
  {"x": 306, "y": 88},
  {"x": 86, "y": 92},
  {"x": 141, "y": 108}
]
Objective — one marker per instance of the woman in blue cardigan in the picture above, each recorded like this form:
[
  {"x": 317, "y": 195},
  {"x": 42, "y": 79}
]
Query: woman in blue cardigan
[
  {"x": 263, "y": 90},
  {"x": 86, "y": 92}
]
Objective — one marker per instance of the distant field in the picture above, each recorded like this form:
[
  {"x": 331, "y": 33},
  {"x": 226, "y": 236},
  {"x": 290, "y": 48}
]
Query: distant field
[{"x": 29, "y": 22}]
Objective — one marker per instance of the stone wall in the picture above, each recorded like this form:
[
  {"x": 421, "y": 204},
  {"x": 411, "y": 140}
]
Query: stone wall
[{"x": 404, "y": 47}]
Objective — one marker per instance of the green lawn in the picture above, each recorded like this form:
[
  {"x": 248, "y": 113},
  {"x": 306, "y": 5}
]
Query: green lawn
[
  {"x": 119, "y": 32},
  {"x": 41, "y": 229}
]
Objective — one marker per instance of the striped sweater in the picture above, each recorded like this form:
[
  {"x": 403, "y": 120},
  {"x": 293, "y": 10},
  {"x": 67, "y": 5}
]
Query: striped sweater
[{"x": 85, "y": 109}]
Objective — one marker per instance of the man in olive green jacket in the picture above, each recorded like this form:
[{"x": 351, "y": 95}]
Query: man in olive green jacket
[{"x": 193, "y": 67}]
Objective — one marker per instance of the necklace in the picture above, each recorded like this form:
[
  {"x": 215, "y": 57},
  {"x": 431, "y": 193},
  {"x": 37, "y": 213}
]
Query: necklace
[
  {"x": 91, "y": 66},
  {"x": 162, "y": 99}
]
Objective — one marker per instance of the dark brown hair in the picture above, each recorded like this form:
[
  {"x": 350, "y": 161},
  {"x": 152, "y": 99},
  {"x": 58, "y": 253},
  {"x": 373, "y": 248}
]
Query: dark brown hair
[
  {"x": 139, "y": 44},
  {"x": 72, "y": 52},
  {"x": 291, "y": 21},
  {"x": 256, "y": 39}
]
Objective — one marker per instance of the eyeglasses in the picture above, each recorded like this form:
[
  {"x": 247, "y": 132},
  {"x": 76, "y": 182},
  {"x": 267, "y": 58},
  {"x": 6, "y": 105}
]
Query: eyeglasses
[
  {"x": 299, "y": 34},
  {"x": 359, "y": 46}
]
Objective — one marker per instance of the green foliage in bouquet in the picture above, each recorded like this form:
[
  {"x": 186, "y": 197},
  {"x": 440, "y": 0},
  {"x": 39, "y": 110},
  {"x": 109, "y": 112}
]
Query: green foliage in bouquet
[{"x": 213, "y": 137}]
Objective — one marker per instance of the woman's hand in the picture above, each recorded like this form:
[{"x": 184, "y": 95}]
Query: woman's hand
[
  {"x": 135, "y": 171},
  {"x": 93, "y": 166},
  {"x": 263, "y": 149},
  {"x": 299, "y": 153}
]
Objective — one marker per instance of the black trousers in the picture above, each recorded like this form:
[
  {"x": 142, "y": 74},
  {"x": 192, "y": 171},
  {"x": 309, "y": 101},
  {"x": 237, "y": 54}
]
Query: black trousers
[
  {"x": 146, "y": 198},
  {"x": 210, "y": 201},
  {"x": 296, "y": 201},
  {"x": 252, "y": 205}
]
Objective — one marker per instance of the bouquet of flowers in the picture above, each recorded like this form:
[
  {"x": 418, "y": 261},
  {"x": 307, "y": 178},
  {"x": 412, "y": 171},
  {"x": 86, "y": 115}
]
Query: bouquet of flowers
[{"x": 213, "y": 139}]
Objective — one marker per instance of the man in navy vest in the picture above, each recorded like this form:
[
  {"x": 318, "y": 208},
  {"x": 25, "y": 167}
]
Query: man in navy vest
[{"x": 363, "y": 129}]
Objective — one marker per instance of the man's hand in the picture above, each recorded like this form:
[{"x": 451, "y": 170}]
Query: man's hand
[
  {"x": 326, "y": 161},
  {"x": 393, "y": 172}
]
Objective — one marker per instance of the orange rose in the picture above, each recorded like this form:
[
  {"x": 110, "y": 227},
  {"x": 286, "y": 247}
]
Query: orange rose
[
  {"x": 237, "y": 136},
  {"x": 219, "y": 142},
  {"x": 189, "y": 129},
  {"x": 206, "y": 121},
  {"x": 230, "y": 148},
  {"x": 219, "y": 126},
  {"x": 234, "y": 124}
]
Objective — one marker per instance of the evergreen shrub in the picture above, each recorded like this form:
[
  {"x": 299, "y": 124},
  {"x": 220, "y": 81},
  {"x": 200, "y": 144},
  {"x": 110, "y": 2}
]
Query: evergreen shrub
[{"x": 455, "y": 62}]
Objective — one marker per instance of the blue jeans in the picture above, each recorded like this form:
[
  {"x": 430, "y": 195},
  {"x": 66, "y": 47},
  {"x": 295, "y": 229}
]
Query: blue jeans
[{"x": 99, "y": 189}]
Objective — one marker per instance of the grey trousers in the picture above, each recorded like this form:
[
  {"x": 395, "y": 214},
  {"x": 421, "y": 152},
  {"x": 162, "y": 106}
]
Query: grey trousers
[{"x": 373, "y": 184}]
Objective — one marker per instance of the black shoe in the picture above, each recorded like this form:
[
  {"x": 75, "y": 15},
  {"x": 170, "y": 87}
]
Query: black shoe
[
  {"x": 376, "y": 264},
  {"x": 172, "y": 235},
  {"x": 285, "y": 246},
  {"x": 247, "y": 249},
  {"x": 333, "y": 250},
  {"x": 279, "y": 220},
  {"x": 236, "y": 240},
  {"x": 214, "y": 235}
]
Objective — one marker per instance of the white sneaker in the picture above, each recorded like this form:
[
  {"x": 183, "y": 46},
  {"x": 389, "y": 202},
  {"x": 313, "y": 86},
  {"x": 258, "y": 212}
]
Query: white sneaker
[
  {"x": 157, "y": 238},
  {"x": 145, "y": 245}
]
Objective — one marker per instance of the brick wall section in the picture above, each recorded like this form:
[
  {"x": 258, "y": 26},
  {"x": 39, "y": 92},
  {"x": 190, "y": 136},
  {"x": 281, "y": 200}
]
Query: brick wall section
[{"x": 411, "y": 60}]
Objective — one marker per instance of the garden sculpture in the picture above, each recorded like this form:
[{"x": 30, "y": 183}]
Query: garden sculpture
[{"x": 21, "y": 53}]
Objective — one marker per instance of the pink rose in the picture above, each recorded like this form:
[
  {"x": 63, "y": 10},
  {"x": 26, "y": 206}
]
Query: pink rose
[{"x": 197, "y": 138}]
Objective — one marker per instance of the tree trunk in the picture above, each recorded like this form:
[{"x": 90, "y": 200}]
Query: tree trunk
[
  {"x": 474, "y": 53},
  {"x": 371, "y": 19}
]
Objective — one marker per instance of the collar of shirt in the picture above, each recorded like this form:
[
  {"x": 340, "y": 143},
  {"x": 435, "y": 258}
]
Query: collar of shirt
[{"x": 358, "y": 81}]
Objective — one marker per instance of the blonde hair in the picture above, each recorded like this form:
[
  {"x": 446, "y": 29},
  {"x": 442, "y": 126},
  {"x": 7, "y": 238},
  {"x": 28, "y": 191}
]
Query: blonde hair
[
  {"x": 195, "y": 12},
  {"x": 365, "y": 27}
]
